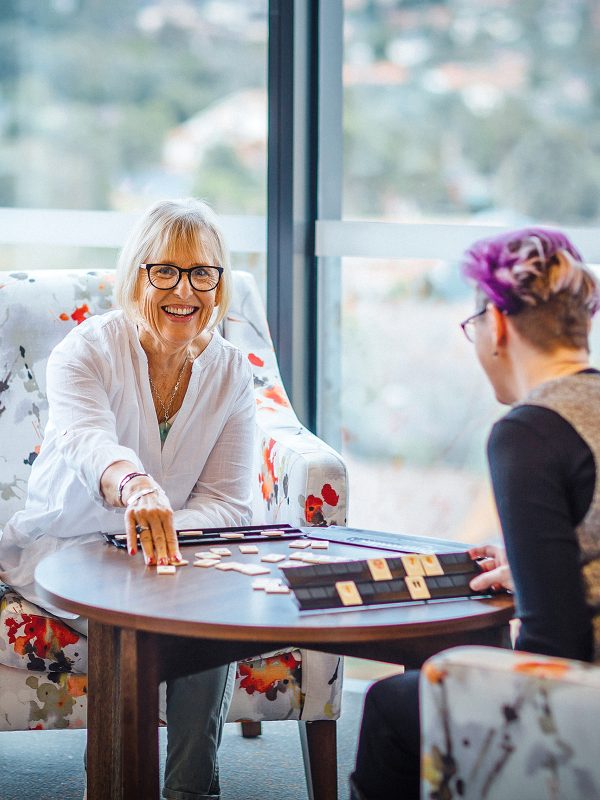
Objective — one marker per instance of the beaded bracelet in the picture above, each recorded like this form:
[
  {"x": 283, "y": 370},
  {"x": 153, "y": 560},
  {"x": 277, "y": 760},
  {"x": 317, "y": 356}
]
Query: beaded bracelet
[{"x": 125, "y": 480}]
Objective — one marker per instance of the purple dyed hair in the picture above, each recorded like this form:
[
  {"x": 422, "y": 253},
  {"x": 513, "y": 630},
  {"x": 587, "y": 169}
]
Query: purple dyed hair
[{"x": 503, "y": 266}]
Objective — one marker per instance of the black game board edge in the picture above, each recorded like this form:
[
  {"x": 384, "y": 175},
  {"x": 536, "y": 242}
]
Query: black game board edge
[{"x": 252, "y": 533}]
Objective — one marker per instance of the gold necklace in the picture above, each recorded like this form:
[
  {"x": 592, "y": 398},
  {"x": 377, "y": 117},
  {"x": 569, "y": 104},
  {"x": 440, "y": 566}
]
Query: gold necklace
[{"x": 166, "y": 409}]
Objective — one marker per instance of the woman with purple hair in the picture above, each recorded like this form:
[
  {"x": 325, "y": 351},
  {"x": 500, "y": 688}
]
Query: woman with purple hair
[{"x": 534, "y": 302}]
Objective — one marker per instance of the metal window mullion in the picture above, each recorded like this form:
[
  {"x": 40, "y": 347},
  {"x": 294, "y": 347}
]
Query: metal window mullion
[{"x": 291, "y": 201}]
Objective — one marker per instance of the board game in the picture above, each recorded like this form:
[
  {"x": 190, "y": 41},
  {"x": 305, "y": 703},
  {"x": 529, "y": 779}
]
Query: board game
[{"x": 418, "y": 570}]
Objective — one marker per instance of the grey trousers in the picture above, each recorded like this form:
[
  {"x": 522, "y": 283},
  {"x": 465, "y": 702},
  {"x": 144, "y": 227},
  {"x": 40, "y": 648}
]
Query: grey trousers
[{"x": 196, "y": 707}]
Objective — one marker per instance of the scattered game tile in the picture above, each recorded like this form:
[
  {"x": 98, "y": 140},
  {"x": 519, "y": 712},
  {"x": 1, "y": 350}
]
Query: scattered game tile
[
  {"x": 277, "y": 589},
  {"x": 262, "y": 583},
  {"x": 247, "y": 549},
  {"x": 254, "y": 569}
]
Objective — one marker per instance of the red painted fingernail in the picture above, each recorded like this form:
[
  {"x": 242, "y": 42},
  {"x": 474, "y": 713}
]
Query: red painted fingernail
[
  {"x": 164, "y": 562},
  {"x": 132, "y": 551},
  {"x": 178, "y": 556},
  {"x": 150, "y": 562}
]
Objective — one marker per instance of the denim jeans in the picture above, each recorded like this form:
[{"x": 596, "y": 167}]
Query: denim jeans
[{"x": 197, "y": 707}]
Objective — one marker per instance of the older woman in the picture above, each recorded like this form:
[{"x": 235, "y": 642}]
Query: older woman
[
  {"x": 534, "y": 301},
  {"x": 151, "y": 423}
]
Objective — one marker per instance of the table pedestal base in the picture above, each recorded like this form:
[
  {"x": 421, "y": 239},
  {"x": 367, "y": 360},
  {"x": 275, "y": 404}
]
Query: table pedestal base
[
  {"x": 126, "y": 667},
  {"x": 123, "y": 751}
]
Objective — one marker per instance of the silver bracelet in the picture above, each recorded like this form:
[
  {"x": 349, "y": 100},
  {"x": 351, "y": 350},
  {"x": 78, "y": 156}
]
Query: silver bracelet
[{"x": 141, "y": 493}]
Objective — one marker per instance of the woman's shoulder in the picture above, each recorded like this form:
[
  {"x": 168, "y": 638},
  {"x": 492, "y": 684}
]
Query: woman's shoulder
[
  {"x": 529, "y": 429},
  {"x": 229, "y": 356},
  {"x": 536, "y": 419}
]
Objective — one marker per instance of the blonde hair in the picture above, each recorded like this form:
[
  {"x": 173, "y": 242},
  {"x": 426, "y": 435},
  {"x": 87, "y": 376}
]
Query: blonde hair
[{"x": 169, "y": 225}]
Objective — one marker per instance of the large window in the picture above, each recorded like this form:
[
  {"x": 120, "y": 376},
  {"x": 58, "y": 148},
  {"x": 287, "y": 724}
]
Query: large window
[
  {"x": 458, "y": 116},
  {"x": 470, "y": 110},
  {"x": 108, "y": 106}
]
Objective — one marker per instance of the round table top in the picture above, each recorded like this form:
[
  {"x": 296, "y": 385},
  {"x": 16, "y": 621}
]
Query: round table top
[{"x": 107, "y": 585}]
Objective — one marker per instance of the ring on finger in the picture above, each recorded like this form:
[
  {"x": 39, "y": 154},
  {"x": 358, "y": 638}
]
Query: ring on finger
[{"x": 140, "y": 528}]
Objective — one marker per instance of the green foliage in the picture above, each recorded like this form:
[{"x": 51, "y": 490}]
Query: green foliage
[{"x": 97, "y": 86}]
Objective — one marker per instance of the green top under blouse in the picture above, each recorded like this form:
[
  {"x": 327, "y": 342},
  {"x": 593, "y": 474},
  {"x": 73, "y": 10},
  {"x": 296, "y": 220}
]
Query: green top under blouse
[{"x": 164, "y": 428}]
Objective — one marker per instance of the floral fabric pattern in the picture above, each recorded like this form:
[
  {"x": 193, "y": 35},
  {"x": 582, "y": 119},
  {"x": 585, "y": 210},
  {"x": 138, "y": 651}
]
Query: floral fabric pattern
[
  {"x": 32, "y": 639},
  {"x": 499, "y": 725},
  {"x": 299, "y": 480}
]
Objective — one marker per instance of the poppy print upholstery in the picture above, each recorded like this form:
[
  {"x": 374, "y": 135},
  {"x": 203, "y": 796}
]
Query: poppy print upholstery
[
  {"x": 498, "y": 724},
  {"x": 299, "y": 479}
]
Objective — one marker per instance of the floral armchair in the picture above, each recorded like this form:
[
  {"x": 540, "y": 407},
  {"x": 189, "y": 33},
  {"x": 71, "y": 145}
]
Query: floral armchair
[
  {"x": 498, "y": 725},
  {"x": 299, "y": 479}
]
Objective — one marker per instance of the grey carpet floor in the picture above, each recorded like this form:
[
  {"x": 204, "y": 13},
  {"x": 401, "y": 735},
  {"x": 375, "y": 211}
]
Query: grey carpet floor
[{"x": 48, "y": 765}]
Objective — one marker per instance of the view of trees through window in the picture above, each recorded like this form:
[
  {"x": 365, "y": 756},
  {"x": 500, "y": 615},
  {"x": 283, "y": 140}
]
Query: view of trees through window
[
  {"x": 107, "y": 105},
  {"x": 113, "y": 104},
  {"x": 472, "y": 110},
  {"x": 460, "y": 112}
]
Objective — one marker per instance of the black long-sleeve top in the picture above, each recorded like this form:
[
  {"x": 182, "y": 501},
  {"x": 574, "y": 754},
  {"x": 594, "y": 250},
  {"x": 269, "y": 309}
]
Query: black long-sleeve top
[{"x": 543, "y": 474}]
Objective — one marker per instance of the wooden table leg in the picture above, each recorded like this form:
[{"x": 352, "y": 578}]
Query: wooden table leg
[
  {"x": 319, "y": 751},
  {"x": 139, "y": 709},
  {"x": 103, "y": 753},
  {"x": 122, "y": 752}
]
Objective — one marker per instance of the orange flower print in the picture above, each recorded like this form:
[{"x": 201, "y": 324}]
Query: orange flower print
[
  {"x": 269, "y": 676},
  {"x": 276, "y": 394},
  {"x": 312, "y": 510},
  {"x": 542, "y": 669},
  {"x": 313, "y": 505},
  {"x": 80, "y": 313},
  {"x": 41, "y": 637},
  {"x": 433, "y": 673},
  {"x": 255, "y": 360},
  {"x": 77, "y": 685},
  {"x": 267, "y": 477}
]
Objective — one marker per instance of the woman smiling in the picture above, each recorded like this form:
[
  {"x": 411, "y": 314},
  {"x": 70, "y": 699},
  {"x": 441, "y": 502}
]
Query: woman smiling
[{"x": 150, "y": 428}]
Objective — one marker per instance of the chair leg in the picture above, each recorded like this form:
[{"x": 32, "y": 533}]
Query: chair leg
[
  {"x": 319, "y": 751},
  {"x": 251, "y": 730}
]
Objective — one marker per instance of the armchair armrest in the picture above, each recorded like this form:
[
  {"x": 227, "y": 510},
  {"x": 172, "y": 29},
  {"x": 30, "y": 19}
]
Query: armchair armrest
[
  {"x": 498, "y": 724},
  {"x": 301, "y": 480}
]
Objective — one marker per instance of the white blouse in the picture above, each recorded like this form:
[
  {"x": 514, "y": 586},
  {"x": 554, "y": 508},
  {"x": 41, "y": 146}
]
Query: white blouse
[{"x": 101, "y": 411}]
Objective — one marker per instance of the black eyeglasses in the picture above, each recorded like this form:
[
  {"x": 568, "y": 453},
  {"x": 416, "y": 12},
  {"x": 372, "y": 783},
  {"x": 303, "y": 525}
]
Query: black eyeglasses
[
  {"x": 167, "y": 276},
  {"x": 468, "y": 325}
]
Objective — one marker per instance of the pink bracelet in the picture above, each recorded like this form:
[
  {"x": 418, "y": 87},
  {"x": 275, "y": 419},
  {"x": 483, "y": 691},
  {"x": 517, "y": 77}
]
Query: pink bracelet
[{"x": 125, "y": 480}]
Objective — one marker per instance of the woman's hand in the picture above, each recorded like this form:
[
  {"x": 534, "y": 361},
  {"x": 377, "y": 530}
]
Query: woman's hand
[
  {"x": 149, "y": 513},
  {"x": 496, "y": 573}
]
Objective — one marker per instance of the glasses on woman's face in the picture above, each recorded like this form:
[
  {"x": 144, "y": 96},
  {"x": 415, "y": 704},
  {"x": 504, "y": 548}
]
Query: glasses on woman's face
[
  {"x": 468, "y": 325},
  {"x": 167, "y": 276}
]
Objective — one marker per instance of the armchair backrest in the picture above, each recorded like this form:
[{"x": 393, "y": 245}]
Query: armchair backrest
[{"x": 38, "y": 308}]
